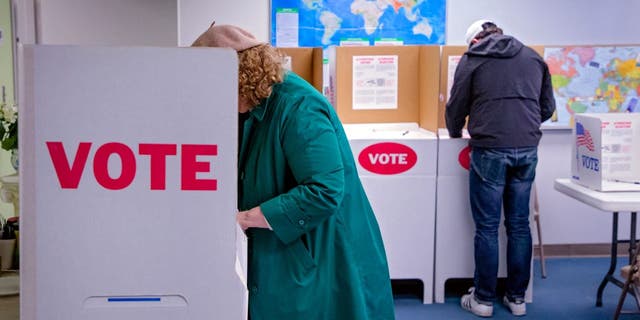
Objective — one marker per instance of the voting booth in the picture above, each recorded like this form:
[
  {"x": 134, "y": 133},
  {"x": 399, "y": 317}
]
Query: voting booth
[
  {"x": 606, "y": 151},
  {"x": 128, "y": 177},
  {"x": 397, "y": 166},
  {"x": 387, "y": 97},
  {"x": 455, "y": 229}
]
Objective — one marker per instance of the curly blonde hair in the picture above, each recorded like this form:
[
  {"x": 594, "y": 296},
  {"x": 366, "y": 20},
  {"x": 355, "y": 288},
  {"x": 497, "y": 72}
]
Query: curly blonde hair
[{"x": 260, "y": 68}]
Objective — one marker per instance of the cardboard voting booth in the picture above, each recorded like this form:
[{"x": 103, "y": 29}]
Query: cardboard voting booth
[
  {"x": 128, "y": 169},
  {"x": 386, "y": 84},
  {"x": 305, "y": 62},
  {"x": 606, "y": 151}
]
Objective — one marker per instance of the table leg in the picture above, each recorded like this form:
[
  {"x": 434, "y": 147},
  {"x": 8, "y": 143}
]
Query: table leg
[
  {"x": 632, "y": 238},
  {"x": 612, "y": 264}
]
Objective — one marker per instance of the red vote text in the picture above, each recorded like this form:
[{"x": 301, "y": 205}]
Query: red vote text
[
  {"x": 464, "y": 157},
  {"x": 70, "y": 173},
  {"x": 387, "y": 158}
]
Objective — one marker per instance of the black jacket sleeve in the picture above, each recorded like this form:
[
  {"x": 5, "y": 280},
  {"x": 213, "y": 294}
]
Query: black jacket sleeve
[
  {"x": 547, "y": 101},
  {"x": 458, "y": 107}
]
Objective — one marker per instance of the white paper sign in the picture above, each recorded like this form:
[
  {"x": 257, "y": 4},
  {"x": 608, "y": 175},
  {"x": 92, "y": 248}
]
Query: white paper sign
[
  {"x": 287, "y": 27},
  {"x": 451, "y": 71},
  {"x": 287, "y": 63},
  {"x": 375, "y": 82}
]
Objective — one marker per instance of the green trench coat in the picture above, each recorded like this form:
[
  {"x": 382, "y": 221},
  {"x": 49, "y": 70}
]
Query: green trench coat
[{"x": 324, "y": 258}]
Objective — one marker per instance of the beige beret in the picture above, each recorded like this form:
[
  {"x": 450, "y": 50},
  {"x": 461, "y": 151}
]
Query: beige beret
[{"x": 227, "y": 36}]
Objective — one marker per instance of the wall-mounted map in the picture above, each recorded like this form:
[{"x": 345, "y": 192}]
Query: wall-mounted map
[
  {"x": 318, "y": 23},
  {"x": 593, "y": 79}
]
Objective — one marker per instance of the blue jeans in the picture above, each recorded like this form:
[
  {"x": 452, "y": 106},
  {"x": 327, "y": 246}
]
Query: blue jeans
[{"x": 501, "y": 177}]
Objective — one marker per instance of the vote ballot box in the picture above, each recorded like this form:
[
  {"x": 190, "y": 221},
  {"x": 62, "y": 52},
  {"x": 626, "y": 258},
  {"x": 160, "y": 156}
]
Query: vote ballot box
[
  {"x": 455, "y": 229},
  {"x": 128, "y": 184},
  {"x": 606, "y": 151},
  {"x": 397, "y": 167}
]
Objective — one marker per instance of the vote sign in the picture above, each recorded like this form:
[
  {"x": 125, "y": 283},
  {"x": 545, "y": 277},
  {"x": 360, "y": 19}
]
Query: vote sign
[
  {"x": 387, "y": 158},
  {"x": 129, "y": 184}
]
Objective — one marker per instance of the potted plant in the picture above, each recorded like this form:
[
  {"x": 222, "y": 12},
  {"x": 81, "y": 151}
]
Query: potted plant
[{"x": 9, "y": 131}]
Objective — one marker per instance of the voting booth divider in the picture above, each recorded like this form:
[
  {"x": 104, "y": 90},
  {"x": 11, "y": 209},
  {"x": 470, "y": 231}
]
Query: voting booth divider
[
  {"x": 405, "y": 91},
  {"x": 128, "y": 177},
  {"x": 450, "y": 56},
  {"x": 386, "y": 96}
]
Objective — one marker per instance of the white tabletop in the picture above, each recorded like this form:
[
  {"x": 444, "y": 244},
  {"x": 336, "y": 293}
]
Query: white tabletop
[{"x": 607, "y": 201}]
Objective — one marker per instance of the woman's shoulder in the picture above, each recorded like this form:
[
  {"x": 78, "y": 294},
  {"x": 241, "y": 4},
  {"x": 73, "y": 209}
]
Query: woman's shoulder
[
  {"x": 295, "y": 90},
  {"x": 293, "y": 83}
]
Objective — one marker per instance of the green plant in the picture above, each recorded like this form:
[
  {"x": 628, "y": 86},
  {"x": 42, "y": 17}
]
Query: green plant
[{"x": 8, "y": 126}]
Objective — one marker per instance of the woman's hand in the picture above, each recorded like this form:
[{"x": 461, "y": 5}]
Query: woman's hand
[{"x": 252, "y": 218}]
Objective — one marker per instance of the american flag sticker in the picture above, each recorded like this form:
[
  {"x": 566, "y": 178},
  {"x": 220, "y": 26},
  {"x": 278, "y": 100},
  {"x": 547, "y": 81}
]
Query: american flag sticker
[{"x": 583, "y": 137}]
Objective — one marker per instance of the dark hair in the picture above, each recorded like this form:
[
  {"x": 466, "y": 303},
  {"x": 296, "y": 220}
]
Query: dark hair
[{"x": 488, "y": 28}]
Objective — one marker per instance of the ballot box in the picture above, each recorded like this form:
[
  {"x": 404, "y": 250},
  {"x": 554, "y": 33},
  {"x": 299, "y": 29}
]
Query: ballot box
[{"x": 606, "y": 151}]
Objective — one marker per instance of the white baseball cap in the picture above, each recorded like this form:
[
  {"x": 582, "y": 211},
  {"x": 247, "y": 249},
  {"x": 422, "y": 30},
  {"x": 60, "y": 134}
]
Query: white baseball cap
[{"x": 474, "y": 29}]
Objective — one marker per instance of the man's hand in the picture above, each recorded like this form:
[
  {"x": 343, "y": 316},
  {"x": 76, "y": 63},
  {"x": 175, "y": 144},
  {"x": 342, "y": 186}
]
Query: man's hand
[{"x": 252, "y": 218}]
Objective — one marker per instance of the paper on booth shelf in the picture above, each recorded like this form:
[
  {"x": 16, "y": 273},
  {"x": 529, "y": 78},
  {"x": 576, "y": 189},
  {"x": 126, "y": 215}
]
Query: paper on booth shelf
[
  {"x": 387, "y": 131},
  {"x": 617, "y": 147},
  {"x": 444, "y": 134},
  {"x": 241, "y": 265},
  {"x": 241, "y": 255}
]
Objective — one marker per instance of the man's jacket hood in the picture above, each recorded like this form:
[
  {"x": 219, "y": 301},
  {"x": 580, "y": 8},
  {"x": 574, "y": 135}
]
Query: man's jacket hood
[{"x": 496, "y": 46}]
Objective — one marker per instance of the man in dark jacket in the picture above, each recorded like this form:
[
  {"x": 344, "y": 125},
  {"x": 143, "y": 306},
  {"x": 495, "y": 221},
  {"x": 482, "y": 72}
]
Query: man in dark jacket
[{"x": 505, "y": 89}]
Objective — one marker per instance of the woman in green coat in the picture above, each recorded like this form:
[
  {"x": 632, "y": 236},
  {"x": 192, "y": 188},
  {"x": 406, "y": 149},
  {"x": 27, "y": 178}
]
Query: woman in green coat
[{"x": 315, "y": 250}]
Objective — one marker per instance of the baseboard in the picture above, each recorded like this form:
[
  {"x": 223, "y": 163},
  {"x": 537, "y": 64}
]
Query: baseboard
[{"x": 580, "y": 250}]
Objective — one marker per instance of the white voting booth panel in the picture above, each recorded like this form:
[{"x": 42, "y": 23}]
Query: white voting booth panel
[
  {"x": 606, "y": 152},
  {"x": 128, "y": 184},
  {"x": 455, "y": 229},
  {"x": 397, "y": 166}
]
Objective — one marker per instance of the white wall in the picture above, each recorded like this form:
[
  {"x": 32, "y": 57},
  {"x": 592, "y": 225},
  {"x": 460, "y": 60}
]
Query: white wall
[
  {"x": 550, "y": 22},
  {"x": 24, "y": 15},
  {"x": 195, "y": 16},
  {"x": 107, "y": 22}
]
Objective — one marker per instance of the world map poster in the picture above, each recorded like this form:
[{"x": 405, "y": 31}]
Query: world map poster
[
  {"x": 593, "y": 79},
  {"x": 318, "y": 23}
]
